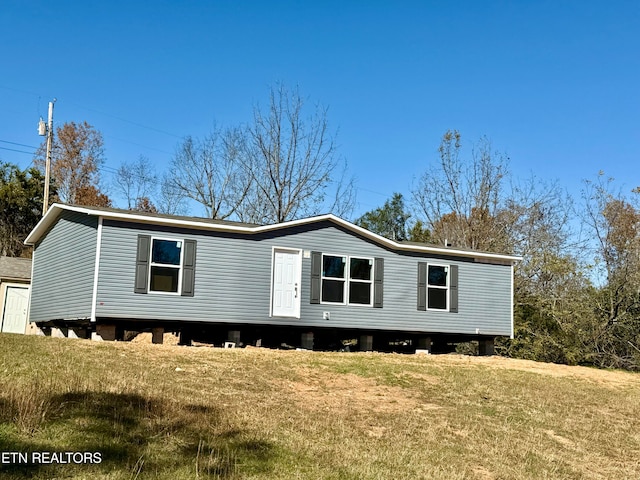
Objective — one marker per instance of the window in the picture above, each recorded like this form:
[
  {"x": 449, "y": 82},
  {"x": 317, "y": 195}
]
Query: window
[
  {"x": 166, "y": 260},
  {"x": 360, "y": 281},
  {"x": 347, "y": 277},
  {"x": 165, "y": 265},
  {"x": 437, "y": 287},
  {"x": 333, "y": 278}
]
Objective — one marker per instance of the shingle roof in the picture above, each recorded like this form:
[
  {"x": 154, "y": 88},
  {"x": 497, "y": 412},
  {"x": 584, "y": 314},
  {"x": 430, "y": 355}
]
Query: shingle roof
[
  {"x": 166, "y": 216},
  {"x": 15, "y": 268},
  {"x": 248, "y": 229}
]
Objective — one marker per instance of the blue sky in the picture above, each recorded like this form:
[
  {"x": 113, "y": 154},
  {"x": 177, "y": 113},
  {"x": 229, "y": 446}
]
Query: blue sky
[{"x": 554, "y": 85}]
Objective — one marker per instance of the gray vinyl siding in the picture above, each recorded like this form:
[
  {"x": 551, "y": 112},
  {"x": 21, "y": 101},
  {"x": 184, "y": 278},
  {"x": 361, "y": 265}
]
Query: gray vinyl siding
[
  {"x": 233, "y": 280},
  {"x": 63, "y": 269}
]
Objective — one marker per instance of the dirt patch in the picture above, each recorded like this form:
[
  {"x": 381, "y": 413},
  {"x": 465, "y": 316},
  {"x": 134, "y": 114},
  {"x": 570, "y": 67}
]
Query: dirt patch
[
  {"x": 349, "y": 393},
  {"x": 615, "y": 378},
  {"x": 328, "y": 384}
]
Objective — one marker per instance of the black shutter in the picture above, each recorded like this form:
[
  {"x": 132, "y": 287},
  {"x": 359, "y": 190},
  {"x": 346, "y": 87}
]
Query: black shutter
[
  {"x": 422, "y": 286},
  {"x": 453, "y": 289},
  {"x": 316, "y": 272},
  {"x": 189, "y": 268},
  {"x": 378, "y": 287},
  {"x": 142, "y": 264}
]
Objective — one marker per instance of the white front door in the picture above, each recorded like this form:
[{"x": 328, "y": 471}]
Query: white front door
[
  {"x": 285, "y": 287},
  {"x": 14, "y": 312}
]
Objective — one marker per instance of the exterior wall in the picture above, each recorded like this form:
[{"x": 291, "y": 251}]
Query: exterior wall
[
  {"x": 233, "y": 281},
  {"x": 63, "y": 269}
]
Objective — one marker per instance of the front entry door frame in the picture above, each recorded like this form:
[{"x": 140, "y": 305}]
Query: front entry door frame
[{"x": 286, "y": 282}]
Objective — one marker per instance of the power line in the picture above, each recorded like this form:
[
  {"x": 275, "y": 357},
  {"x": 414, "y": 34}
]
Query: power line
[
  {"x": 137, "y": 124},
  {"x": 19, "y": 90},
  {"x": 139, "y": 145},
  {"x": 14, "y": 150},
  {"x": 19, "y": 144},
  {"x": 373, "y": 191},
  {"x": 128, "y": 121}
]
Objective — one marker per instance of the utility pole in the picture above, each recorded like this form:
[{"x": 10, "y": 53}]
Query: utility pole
[{"x": 48, "y": 130}]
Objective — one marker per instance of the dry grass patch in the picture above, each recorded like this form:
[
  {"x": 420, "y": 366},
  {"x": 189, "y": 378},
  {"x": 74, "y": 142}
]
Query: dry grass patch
[{"x": 163, "y": 411}]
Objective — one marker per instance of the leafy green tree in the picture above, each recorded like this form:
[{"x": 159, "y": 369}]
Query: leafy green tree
[
  {"x": 21, "y": 198},
  {"x": 390, "y": 220},
  {"x": 419, "y": 233}
]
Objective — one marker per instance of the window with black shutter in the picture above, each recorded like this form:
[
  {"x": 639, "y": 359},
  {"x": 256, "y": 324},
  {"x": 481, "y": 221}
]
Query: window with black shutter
[{"x": 165, "y": 265}]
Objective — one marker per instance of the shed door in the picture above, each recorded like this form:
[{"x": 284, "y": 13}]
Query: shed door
[
  {"x": 14, "y": 312},
  {"x": 285, "y": 288}
]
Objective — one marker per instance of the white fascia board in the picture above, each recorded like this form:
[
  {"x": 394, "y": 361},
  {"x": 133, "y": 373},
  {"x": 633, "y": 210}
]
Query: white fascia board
[
  {"x": 396, "y": 245},
  {"x": 41, "y": 227},
  {"x": 56, "y": 208}
]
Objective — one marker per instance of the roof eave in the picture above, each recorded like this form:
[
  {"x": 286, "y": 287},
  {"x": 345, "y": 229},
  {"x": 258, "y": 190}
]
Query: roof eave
[{"x": 56, "y": 208}]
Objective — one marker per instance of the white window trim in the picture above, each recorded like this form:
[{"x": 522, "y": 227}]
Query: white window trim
[
  {"x": 447, "y": 287},
  {"x": 179, "y": 267},
  {"x": 347, "y": 280}
]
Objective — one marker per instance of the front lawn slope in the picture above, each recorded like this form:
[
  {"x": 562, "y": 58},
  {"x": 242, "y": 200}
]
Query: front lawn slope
[{"x": 160, "y": 411}]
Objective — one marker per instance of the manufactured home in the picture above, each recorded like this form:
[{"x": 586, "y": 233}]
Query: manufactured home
[{"x": 303, "y": 283}]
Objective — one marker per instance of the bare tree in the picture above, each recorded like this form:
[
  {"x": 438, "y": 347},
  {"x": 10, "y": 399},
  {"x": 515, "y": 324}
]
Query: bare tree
[
  {"x": 212, "y": 171},
  {"x": 292, "y": 159},
  {"x": 137, "y": 182},
  {"x": 613, "y": 220},
  {"x": 170, "y": 201},
  {"x": 343, "y": 194},
  {"x": 536, "y": 216},
  {"x": 460, "y": 200}
]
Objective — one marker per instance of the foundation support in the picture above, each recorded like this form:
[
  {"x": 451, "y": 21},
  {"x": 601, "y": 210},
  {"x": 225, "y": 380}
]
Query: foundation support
[
  {"x": 424, "y": 344},
  {"x": 486, "y": 346},
  {"x": 306, "y": 341},
  {"x": 157, "y": 335},
  {"x": 185, "y": 338},
  {"x": 106, "y": 332},
  {"x": 234, "y": 336},
  {"x": 366, "y": 343}
]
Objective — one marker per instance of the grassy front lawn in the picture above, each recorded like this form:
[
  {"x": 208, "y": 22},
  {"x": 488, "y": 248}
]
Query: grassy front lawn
[{"x": 158, "y": 411}]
